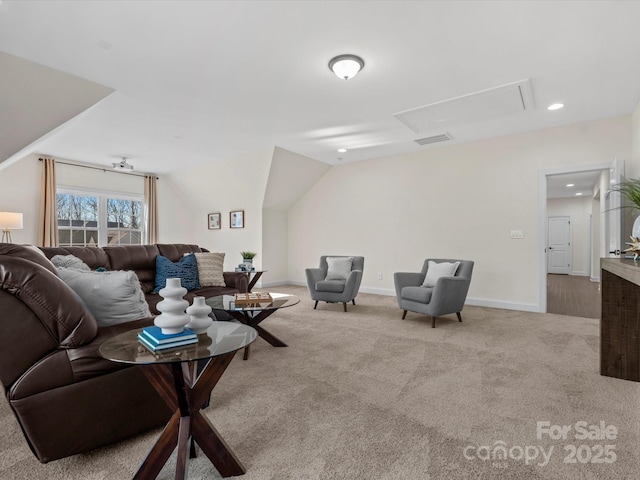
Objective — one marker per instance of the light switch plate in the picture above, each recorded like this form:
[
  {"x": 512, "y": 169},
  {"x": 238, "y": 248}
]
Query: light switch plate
[{"x": 517, "y": 234}]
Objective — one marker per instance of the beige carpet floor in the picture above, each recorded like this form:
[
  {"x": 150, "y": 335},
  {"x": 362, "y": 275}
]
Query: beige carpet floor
[{"x": 366, "y": 395}]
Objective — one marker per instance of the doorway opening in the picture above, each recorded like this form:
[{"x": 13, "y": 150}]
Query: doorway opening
[{"x": 573, "y": 220}]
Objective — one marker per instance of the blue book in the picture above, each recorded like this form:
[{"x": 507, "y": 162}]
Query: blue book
[
  {"x": 155, "y": 335},
  {"x": 165, "y": 346}
]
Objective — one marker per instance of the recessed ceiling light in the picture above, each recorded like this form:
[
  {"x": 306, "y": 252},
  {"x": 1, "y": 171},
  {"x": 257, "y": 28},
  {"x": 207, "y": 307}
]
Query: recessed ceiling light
[
  {"x": 342, "y": 150},
  {"x": 555, "y": 106},
  {"x": 570, "y": 185},
  {"x": 579, "y": 193}
]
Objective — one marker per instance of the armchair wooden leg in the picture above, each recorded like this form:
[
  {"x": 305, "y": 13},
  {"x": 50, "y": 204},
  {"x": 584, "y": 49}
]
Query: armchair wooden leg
[
  {"x": 315, "y": 305},
  {"x": 433, "y": 322},
  {"x": 353, "y": 301},
  {"x": 344, "y": 304},
  {"x": 404, "y": 314},
  {"x": 459, "y": 317}
]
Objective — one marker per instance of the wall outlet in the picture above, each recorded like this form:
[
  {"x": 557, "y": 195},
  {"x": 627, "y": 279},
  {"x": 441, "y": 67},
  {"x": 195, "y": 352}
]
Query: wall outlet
[{"x": 379, "y": 275}]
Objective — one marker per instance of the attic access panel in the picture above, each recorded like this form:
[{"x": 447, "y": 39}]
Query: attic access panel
[{"x": 487, "y": 104}]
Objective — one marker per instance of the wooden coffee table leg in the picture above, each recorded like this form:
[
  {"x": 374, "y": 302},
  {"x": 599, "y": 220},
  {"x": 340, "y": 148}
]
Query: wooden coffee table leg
[
  {"x": 247, "y": 319},
  {"x": 172, "y": 383},
  {"x": 161, "y": 451}
]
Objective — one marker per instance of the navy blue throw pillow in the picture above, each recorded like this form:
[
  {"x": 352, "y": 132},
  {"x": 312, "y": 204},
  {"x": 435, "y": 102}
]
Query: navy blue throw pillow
[{"x": 186, "y": 270}]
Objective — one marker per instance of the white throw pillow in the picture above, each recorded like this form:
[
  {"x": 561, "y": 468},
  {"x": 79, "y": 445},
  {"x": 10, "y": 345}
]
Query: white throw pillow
[
  {"x": 69, "y": 261},
  {"x": 437, "y": 270},
  {"x": 112, "y": 297},
  {"x": 210, "y": 268},
  {"x": 338, "y": 268}
]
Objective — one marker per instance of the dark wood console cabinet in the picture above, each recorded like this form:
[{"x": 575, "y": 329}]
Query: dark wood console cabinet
[{"x": 620, "y": 319}]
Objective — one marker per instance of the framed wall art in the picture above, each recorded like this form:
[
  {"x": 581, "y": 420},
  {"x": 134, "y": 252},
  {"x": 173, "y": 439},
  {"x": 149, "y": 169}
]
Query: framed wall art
[
  {"x": 236, "y": 219},
  {"x": 214, "y": 221}
]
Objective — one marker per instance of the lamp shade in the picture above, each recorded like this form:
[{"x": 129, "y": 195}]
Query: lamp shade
[{"x": 10, "y": 221}]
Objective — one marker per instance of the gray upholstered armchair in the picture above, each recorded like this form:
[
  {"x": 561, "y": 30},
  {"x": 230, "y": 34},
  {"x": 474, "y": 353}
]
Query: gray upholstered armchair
[
  {"x": 437, "y": 290},
  {"x": 337, "y": 280}
]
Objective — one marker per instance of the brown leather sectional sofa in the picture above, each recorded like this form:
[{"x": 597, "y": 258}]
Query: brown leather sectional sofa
[{"x": 66, "y": 398}]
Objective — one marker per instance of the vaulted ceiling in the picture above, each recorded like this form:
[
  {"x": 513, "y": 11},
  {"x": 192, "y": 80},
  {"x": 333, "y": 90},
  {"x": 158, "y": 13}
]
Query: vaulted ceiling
[{"x": 201, "y": 81}]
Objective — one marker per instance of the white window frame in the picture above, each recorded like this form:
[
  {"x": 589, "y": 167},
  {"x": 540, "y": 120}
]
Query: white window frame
[{"x": 103, "y": 195}]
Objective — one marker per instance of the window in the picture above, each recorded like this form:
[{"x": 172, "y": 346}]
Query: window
[{"x": 89, "y": 218}]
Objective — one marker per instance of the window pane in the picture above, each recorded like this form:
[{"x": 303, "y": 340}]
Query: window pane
[
  {"x": 77, "y": 237},
  {"x": 92, "y": 238},
  {"x": 79, "y": 221},
  {"x": 64, "y": 237}
]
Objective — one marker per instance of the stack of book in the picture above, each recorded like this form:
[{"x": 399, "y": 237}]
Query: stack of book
[{"x": 154, "y": 339}]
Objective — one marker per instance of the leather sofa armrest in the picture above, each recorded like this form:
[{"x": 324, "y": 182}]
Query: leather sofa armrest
[
  {"x": 238, "y": 280},
  {"x": 40, "y": 314}
]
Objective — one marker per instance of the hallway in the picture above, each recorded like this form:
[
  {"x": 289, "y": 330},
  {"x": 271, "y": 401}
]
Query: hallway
[{"x": 573, "y": 295}]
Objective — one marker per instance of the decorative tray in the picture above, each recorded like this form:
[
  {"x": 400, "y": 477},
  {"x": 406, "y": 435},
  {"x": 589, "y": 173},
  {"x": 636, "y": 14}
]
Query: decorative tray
[{"x": 248, "y": 298}]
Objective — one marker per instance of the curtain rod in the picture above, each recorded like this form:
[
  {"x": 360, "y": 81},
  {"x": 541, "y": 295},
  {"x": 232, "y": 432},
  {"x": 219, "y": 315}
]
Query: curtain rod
[{"x": 106, "y": 170}]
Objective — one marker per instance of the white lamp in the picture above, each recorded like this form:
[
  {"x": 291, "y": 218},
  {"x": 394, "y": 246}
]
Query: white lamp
[
  {"x": 346, "y": 66},
  {"x": 9, "y": 221}
]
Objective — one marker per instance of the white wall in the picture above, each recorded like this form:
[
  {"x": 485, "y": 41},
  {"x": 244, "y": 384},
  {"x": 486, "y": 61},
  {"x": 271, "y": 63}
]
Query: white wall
[
  {"x": 459, "y": 201},
  {"x": 596, "y": 225},
  {"x": 578, "y": 209},
  {"x": 633, "y": 168},
  {"x": 290, "y": 176},
  {"x": 188, "y": 196},
  {"x": 275, "y": 247},
  {"x": 20, "y": 192}
]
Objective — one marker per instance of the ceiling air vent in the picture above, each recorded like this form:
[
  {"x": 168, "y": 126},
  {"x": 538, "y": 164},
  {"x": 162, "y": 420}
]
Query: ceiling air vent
[{"x": 443, "y": 137}]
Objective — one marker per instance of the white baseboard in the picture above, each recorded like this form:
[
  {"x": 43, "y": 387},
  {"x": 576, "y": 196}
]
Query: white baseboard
[
  {"x": 580, "y": 274},
  {"x": 478, "y": 302},
  {"x": 595, "y": 279},
  {"x": 492, "y": 303},
  {"x": 379, "y": 291},
  {"x": 278, "y": 284}
]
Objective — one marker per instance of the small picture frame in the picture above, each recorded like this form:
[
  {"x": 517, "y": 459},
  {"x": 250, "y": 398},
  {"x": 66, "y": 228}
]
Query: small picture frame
[
  {"x": 236, "y": 219},
  {"x": 214, "y": 221}
]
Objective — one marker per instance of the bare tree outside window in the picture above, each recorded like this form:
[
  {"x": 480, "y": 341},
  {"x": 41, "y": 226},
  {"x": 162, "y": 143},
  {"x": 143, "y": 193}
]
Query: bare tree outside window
[
  {"x": 83, "y": 222},
  {"x": 124, "y": 222}
]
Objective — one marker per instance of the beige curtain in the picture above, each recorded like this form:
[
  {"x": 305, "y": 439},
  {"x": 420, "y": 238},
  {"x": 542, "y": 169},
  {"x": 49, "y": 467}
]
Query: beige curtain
[
  {"x": 151, "y": 208},
  {"x": 48, "y": 225}
]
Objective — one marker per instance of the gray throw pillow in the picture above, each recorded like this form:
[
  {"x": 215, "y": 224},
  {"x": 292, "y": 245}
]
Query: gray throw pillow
[
  {"x": 338, "y": 268},
  {"x": 69, "y": 261},
  {"x": 112, "y": 297}
]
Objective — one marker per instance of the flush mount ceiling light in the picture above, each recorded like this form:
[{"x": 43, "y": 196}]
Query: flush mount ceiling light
[
  {"x": 555, "y": 106},
  {"x": 346, "y": 66},
  {"x": 122, "y": 165},
  {"x": 342, "y": 150}
]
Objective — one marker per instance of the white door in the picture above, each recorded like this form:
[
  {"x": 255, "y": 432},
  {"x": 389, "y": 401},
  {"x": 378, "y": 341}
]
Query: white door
[
  {"x": 613, "y": 215},
  {"x": 559, "y": 245}
]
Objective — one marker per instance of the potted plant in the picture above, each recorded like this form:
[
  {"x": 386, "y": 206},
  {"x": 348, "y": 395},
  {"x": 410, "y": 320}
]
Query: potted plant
[
  {"x": 247, "y": 258},
  {"x": 631, "y": 191}
]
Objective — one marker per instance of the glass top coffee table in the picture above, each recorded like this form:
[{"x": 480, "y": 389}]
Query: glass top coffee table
[
  {"x": 184, "y": 377},
  {"x": 253, "y": 313}
]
